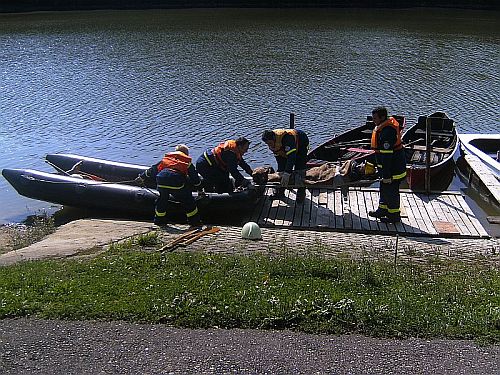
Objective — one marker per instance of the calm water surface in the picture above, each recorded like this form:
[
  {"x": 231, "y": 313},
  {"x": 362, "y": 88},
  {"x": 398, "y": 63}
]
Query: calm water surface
[{"x": 128, "y": 86}]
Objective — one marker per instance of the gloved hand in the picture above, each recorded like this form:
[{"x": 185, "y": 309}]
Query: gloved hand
[
  {"x": 139, "y": 180},
  {"x": 285, "y": 179},
  {"x": 386, "y": 180}
]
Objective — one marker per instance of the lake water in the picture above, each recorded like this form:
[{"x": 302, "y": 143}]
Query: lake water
[{"x": 129, "y": 85}]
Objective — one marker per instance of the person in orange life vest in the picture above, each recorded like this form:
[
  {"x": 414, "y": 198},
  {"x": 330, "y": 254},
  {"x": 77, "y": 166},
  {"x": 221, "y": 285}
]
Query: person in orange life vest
[
  {"x": 391, "y": 164},
  {"x": 215, "y": 165},
  {"x": 173, "y": 175},
  {"x": 290, "y": 149}
]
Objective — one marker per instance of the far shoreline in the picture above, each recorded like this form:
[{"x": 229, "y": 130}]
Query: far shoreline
[{"x": 13, "y": 6}]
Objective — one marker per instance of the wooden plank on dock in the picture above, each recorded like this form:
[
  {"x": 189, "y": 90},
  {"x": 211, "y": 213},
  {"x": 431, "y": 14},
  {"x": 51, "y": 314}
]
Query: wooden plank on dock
[
  {"x": 455, "y": 214},
  {"x": 375, "y": 201},
  {"x": 314, "y": 207},
  {"x": 371, "y": 206},
  {"x": 339, "y": 210},
  {"x": 331, "y": 207},
  {"x": 346, "y": 208},
  {"x": 475, "y": 222},
  {"x": 363, "y": 212},
  {"x": 409, "y": 221},
  {"x": 323, "y": 212},
  {"x": 306, "y": 214},
  {"x": 290, "y": 208},
  {"x": 426, "y": 211},
  {"x": 353, "y": 204}
]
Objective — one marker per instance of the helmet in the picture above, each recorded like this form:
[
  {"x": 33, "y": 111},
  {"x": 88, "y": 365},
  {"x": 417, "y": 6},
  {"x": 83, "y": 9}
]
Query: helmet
[{"x": 251, "y": 231}]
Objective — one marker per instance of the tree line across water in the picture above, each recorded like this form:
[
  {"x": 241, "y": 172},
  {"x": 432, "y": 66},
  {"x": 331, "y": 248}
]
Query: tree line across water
[{"x": 42, "y": 5}]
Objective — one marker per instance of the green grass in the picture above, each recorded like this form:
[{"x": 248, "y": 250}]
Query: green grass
[{"x": 310, "y": 294}]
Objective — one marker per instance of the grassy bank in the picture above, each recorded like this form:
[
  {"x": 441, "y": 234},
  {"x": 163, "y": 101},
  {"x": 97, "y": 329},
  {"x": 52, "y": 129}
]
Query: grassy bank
[{"x": 310, "y": 294}]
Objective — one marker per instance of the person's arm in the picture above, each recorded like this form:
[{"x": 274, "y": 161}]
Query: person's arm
[
  {"x": 232, "y": 165},
  {"x": 290, "y": 147},
  {"x": 193, "y": 177},
  {"x": 243, "y": 164},
  {"x": 150, "y": 173},
  {"x": 388, "y": 139}
]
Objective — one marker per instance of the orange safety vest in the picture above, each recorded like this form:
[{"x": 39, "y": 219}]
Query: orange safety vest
[
  {"x": 278, "y": 147},
  {"x": 376, "y": 132},
  {"x": 176, "y": 161},
  {"x": 225, "y": 146}
]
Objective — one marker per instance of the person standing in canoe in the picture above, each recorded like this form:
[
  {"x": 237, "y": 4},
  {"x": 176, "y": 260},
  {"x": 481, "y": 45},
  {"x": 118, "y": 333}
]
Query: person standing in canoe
[
  {"x": 391, "y": 164},
  {"x": 215, "y": 165},
  {"x": 174, "y": 176},
  {"x": 290, "y": 149}
]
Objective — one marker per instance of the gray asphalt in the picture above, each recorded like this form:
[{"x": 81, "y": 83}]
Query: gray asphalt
[{"x": 31, "y": 346}]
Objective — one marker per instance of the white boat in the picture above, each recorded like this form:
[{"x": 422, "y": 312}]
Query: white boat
[{"x": 486, "y": 147}]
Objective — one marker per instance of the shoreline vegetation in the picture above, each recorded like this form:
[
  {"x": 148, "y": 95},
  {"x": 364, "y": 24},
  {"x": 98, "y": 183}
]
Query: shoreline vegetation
[
  {"x": 132, "y": 282},
  {"x": 8, "y": 6}
]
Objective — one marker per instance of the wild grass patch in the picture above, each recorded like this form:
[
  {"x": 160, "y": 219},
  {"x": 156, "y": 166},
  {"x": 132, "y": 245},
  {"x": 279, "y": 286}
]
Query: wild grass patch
[{"x": 308, "y": 293}]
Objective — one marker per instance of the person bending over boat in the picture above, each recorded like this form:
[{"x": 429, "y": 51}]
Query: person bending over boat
[
  {"x": 173, "y": 174},
  {"x": 215, "y": 165},
  {"x": 391, "y": 164},
  {"x": 290, "y": 149}
]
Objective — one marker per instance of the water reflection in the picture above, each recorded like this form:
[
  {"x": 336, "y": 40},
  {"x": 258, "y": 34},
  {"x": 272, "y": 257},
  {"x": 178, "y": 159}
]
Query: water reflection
[{"x": 129, "y": 85}]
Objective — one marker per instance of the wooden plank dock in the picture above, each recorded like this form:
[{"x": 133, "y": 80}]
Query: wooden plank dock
[{"x": 445, "y": 214}]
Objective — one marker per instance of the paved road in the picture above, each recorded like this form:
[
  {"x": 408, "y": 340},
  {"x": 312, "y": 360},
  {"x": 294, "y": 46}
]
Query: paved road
[{"x": 31, "y": 346}]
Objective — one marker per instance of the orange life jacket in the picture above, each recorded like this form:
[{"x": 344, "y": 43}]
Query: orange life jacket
[
  {"x": 376, "y": 133},
  {"x": 226, "y": 146},
  {"x": 278, "y": 146},
  {"x": 176, "y": 161}
]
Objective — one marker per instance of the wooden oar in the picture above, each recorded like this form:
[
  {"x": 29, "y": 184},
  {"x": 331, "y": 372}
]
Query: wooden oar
[
  {"x": 198, "y": 235},
  {"x": 179, "y": 239}
]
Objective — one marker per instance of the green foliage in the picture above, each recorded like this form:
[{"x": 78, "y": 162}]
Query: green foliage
[{"x": 311, "y": 294}]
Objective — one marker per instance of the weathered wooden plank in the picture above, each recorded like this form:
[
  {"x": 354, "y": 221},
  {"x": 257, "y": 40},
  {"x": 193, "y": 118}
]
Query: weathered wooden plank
[
  {"x": 257, "y": 211},
  {"x": 375, "y": 199},
  {"x": 409, "y": 221},
  {"x": 346, "y": 207},
  {"x": 353, "y": 203},
  {"x": 475, "y": 222},
  {"x": 264, "y": 216},
  {"x": 323, "y": 211},
  {"x": 306, "y": 214},
  {"x": 331, "y": 207},
  {"x": 455, "y": 214},
  {"x": 282, "y": 205},
  {"x": 424, "y": 212},
  {"x": 339, "y": 211},
  {"x": 297, "y": 214},
  {"x": 290, "y": 208},
  {"x": 371, "y": 206},
  {"x": 363, "y": 212},
  {"x": 314, "y": 207}
]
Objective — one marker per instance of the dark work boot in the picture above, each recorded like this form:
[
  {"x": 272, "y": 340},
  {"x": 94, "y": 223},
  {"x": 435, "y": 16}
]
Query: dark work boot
[
  {"x": 391, "y": 218},
  {"x": 160, "y": 221},
  {"x": 378, "y": 213}
]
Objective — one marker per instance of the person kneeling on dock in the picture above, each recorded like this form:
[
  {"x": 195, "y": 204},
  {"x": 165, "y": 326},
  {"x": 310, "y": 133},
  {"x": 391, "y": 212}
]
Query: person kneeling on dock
[
  {"x": 173, "y": 174},
  {"x": 290, "y": 149},
  {"x": 215, "y": 165}
]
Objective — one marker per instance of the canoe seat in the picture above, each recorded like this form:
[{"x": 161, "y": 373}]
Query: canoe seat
[
  {"x": 418, "y": 157},
  {"x": 447, "y": 134},
  {"x": 440, "y": 150}
]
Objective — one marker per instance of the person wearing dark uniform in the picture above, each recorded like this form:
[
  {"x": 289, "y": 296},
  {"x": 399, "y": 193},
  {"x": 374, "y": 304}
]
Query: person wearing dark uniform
[
  {"x": 290, "y": 149},
  {"x": 175, "y": 174},
  {"x": 215, "y": 165},
  {"x": 391, "y": 164}
]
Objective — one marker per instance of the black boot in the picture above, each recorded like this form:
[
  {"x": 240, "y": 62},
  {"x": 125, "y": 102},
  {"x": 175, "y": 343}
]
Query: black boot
[{"x": 378, "y": 213}]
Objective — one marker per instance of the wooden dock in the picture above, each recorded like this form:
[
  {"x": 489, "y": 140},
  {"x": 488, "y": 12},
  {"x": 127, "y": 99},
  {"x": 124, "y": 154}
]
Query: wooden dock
[{"x": 437, "y": 215}]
